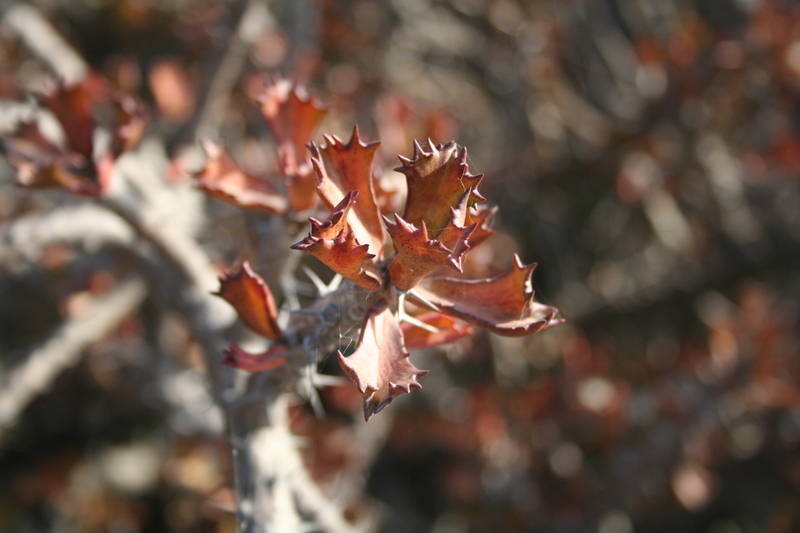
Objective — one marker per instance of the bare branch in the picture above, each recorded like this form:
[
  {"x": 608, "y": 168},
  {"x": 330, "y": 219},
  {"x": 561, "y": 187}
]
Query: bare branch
[
  {"x": 64, "y": 348},
  {"x": 44, "y": 41}
]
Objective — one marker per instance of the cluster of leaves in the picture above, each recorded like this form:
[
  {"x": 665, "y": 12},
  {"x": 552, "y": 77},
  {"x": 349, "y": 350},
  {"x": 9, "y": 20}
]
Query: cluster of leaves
[
  {"x": 73, "y": 161},
  {"x": 442, "y": 220}
]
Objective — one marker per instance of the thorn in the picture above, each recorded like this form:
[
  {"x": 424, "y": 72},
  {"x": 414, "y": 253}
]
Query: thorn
[
  {"x": 322, "y": 288},
  {"x": 402, "y": 316},
  {"x": 417, "y": 296},
  {"x": 420, "y": 324}
]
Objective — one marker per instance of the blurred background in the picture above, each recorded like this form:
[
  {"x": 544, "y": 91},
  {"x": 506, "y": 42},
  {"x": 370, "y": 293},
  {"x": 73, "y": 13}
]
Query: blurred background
[{"x": 644, "y": 152}]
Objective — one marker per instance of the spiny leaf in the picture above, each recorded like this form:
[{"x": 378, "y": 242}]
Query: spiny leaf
[
  {"x": 40, "y": 163},
  {"x": 503, "y": 304},
  {"x": 436, "y": 180},
  {"x": 480, "y": 217},
  {"x": 253, "y": 301},
  {"x": 449, "y": 330},
  {"x": 333, "y": 243},
  {"x": 269, "y": 360},
  {"x": 222, "y": 178},
  {"x": 342, "y": 168},
  {"x": 292, "y": 115},
  {"x": 417, "y": 254},
  {"x": 337, "y": 221},
  {"x": 344, "y": 256},
  {"x": 380, "y": 367}
]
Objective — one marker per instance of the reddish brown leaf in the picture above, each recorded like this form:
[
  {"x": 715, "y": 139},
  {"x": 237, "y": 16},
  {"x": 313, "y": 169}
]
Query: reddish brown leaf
[
  {"x": 337, "y": 221},
  {"x": 480, "y": 217},
  {"x": 293, "y": 116},
  {"x": 380, "y": 367},
  {"x": 344, "y": 256},
  {"x": 450, "y": 330},
  {"x": 503, "y": 304},
  {"x": 40, "y": 164},
  {"x": 342, "y": 168},
  {"x": 253, "y": 301},
  {"x": 301, "y": 188},
  {"x": 222, "y": 178},
  {"x": 269, "y": 360},
  {"x": 436, "y": 182}
]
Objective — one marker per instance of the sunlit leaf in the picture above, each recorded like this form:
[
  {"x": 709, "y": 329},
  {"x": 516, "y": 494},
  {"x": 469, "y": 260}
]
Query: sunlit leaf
[
  {"x": 437, "y": 179},
  {"x": 417, "y": 254},
  {"x": 342, "y": 168},
  {"x": 333, "y": 243},
  {"x": 253, "y": 301}
]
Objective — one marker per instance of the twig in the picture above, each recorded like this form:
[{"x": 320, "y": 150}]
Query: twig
[{"x": 64, "y": 348}]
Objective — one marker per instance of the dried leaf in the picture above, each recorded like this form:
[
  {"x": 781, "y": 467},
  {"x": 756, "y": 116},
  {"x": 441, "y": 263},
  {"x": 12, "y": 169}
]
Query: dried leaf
[
  {"x": 293, "y": 116},
  {"x": 480, "y": 217},
  {"x": 253, "y": 301},
  {"x": 449, "y": 330},
  {"x": 40, "y": 164},
  {"x": 436, "y": 182},
  {"x": 344, "y": 256},
  {"x": 417, "y": 255},
  {"x": 380, "y": 367},
  {"x": 269, "y": 360},
  {"x": 337, "y": 221},
  {"x": 342, "y": 168},
  {"x": 222, "y": 178},
  {"x": 301, "y": 188},
  {"x": 72, "y": 107},
  {"x": 503, "y": 304}
]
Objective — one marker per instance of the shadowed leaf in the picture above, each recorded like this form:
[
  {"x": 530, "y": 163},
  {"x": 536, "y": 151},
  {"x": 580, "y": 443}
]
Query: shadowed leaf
[
  {"x": 269, "y": 360},
  {"x": 222, "y": 178},
  {"x": 380, "y": 367},
  {"x": 503, "y": 304},
  {"x": 130, "y": 125},
  {"x": 449, "y": 330}
]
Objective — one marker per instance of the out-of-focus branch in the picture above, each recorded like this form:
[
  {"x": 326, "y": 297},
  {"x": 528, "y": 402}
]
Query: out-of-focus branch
[
  {"x": 254, "y": 20},
  {"x": 87, "y": 226},
  {"x": 41, "y": 38},
  {"x": 23, "y": 383}
]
